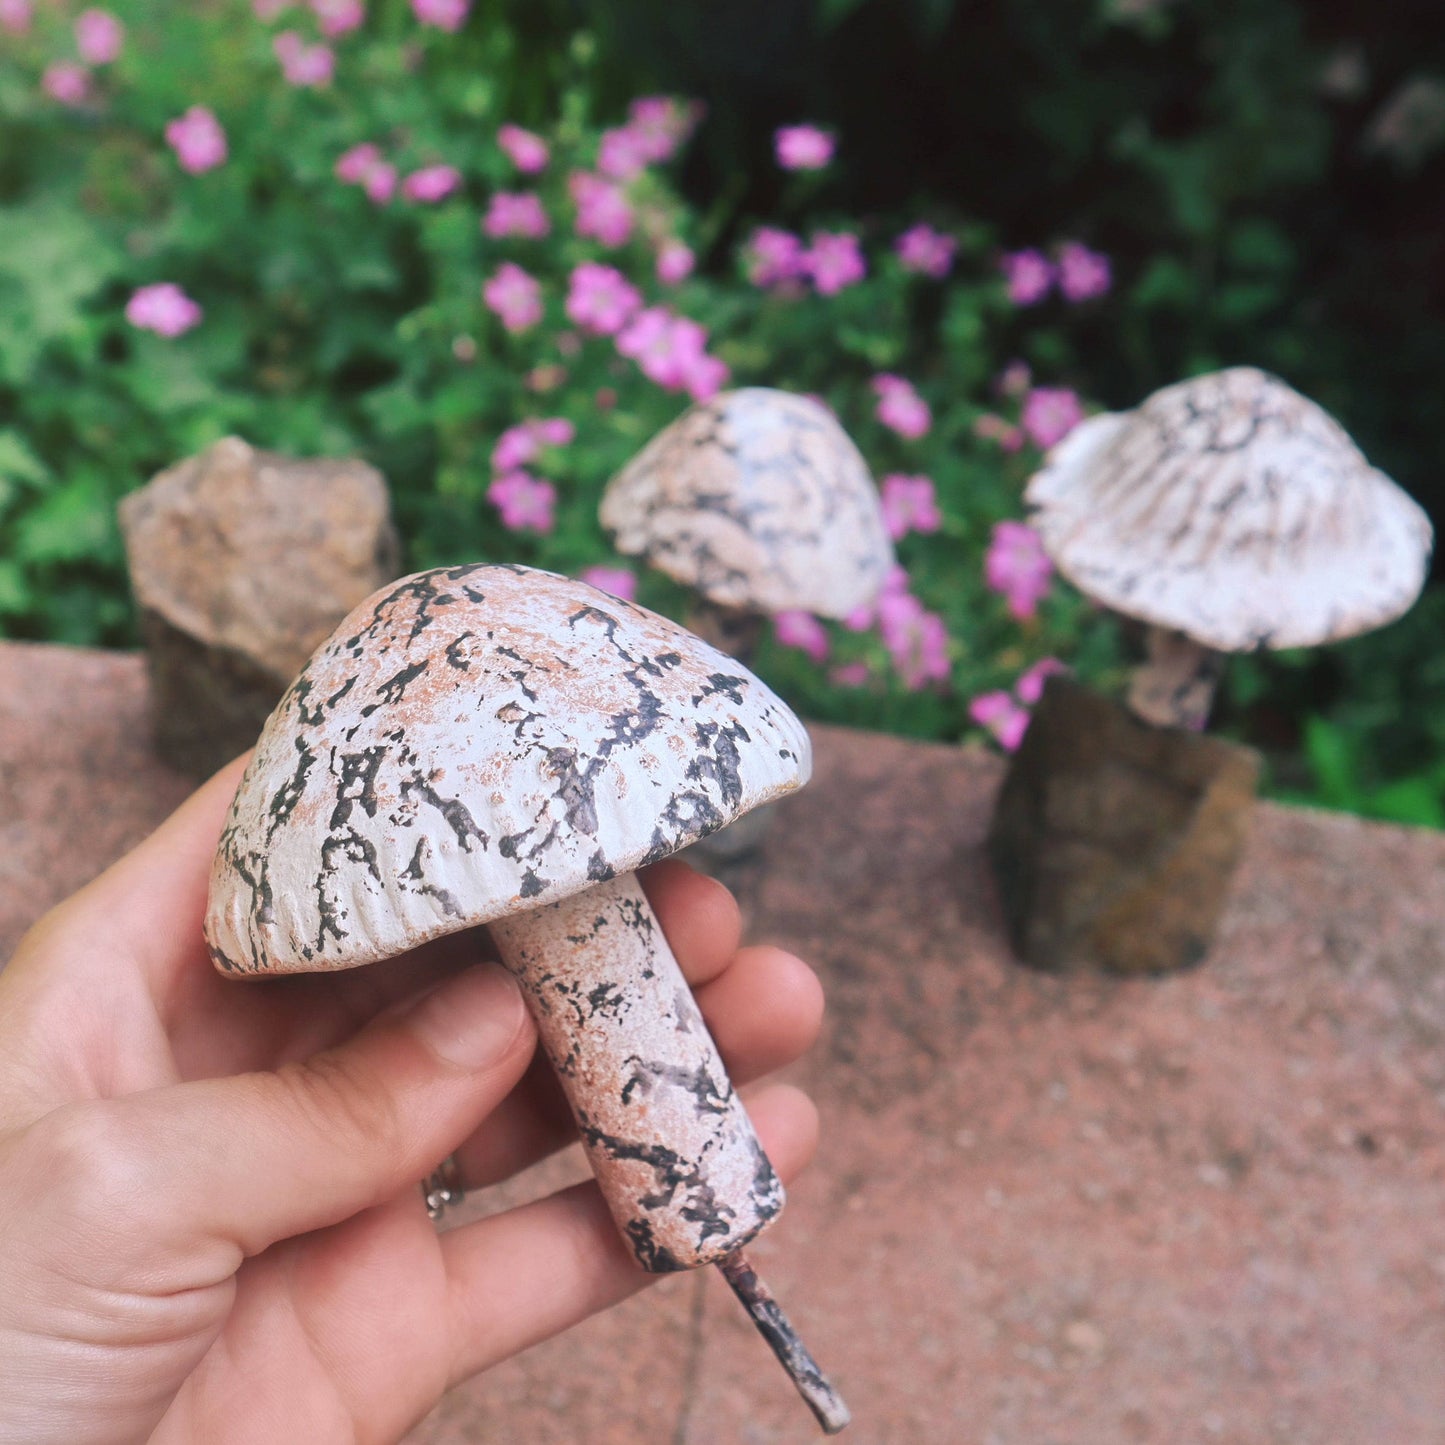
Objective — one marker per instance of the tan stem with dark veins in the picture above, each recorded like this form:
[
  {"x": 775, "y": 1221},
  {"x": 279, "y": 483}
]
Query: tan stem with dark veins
[
  {"x": 667, "y": 1137},
  {"x": 1174, "y": 687}
]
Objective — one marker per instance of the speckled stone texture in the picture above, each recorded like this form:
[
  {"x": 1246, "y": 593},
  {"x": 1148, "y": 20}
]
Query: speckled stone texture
[
  {"x": 229, "y": 616},
  {"x": 1046, "y": 1211}
]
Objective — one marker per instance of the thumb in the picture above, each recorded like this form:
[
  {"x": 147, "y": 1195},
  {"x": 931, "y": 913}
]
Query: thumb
[{"x": 220, "y": 1169}]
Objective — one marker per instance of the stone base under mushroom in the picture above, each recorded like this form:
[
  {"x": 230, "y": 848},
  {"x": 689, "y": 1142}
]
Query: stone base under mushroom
[{"x": 1114, "y": 841}]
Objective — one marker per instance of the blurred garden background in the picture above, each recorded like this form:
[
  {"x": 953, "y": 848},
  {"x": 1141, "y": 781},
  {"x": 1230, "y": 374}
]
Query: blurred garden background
[{"x": 493, "y": 246}]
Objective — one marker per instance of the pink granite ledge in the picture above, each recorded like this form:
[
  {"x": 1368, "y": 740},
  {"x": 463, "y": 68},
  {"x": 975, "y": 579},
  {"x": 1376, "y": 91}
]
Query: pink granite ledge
[{"x": 1046, "y": 1211}]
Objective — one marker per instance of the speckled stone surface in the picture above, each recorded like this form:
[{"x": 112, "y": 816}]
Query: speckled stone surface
[{"x": 1046, "y": 1211}]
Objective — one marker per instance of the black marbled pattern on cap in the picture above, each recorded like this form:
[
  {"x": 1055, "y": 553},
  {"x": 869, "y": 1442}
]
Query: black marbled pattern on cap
[
  {"x": 759, "y": 501},
  {"x": 1234, "y": 510},
  {"x": 476, "y": 740}
]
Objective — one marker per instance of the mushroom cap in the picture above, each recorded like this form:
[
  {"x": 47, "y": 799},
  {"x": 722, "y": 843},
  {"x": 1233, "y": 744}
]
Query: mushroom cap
[
  {"x": 1234, "y": 510},
  {"x": 758, "y": 500},
  {"x": 474, "y": 741}
]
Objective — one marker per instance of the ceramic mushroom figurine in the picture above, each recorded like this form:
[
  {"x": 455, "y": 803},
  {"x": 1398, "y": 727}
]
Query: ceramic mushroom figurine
[
  {"x": 758, "y": 502},
  {"x": 502, "y": 746},
  {"x": 1229, "y": 513}
]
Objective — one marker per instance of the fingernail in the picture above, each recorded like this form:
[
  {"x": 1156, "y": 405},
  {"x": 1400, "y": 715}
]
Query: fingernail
[{"x": 472, "y": 1019}]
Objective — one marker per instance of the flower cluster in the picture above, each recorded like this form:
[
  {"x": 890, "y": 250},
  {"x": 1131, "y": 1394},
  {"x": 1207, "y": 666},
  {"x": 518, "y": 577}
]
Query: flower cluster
[
  {"x": 198, "y": 140},
  {"x": 1017, "y": 568},
  {"x": 833, "y": 261},
  {"x": 524, "y": 502},
  {"x": 900, "y": 407},
  {"x": 581, "y": 294},
  {"x": 1079, "y": 273}
]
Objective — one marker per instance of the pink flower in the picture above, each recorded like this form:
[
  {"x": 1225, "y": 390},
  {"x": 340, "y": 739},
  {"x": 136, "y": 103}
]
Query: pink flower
[
  {"x": 851, "y": 674},
  {"x": 431, "y": 184},
  {"x": 660, "y": 124},
  {"x": 1029, "y": 276},
  {"x": 163, "y": 308},
  {"x": 515, "y": 296},
  {"x": 515, "y": 213},
  {"x": 616, "y": 580},
  {"x": 916, "y": 639},
  {"x": 1050, "y": 413},
  {"x": 521, "y": 444},
  {"x": 304, "y": 65},
  {"x": 704, "y": 376},
  {"x": 1083, "y": 274},
  {"x": 772, "y": 257},
  {"x": 526, "y": 151},
  {"x": 602, "y": 209},
  {"x": 900, "y": 408},
  {"x": 1002, "y": 716},
  {"x": 802, "y": 147},
  {"x": 674, "y": 262},
  {"x": 993, "y": 428},
  {"x": 526, "y": 503},
  {"x": 98, "y": 36},
  {"x": 672, "y": 351},
  {"x": 198, "y": 140},
  {"x": 353, "y": 166},
  {"x": 1015, "y": 379},
  {"x": 834, "y": 261},
  {"x": 1017, "y": 568},
  {"x": 622, "y": 154},
  {"x": 448, "y": 15},
  {"x": 1029, "y": 685},
  {"x": 380, "y": 182},
  {"x": 895, "y": 585},
  {"x": 15, "y": 16},
  {"x": 650, "y": 341},
  {"x": 803, "y": 631},
  {"x": 66, "y": 82},
  {"x": 909, "y": 505},
  {"x": 929, "y": 252},
  {"x": 600, "y": 299},
  {"x": 339, "y": 17}
]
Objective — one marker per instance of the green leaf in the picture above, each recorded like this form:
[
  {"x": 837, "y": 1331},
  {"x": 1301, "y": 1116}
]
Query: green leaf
[
  {"x": 52, "y": 261},
  {"x": 20, "y": 469}
]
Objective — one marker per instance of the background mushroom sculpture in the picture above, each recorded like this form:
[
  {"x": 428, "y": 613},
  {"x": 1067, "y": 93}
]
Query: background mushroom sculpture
[
  {"x": 497, "y": 745},
  {"x": 760, "y": 503},
  {"x": 1229, "y": 513}
]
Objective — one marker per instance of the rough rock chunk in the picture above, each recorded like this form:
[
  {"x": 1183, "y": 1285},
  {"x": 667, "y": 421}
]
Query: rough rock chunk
[
  {"x": 1114, "y": 842},
  {"x": 242, "y": 561}
]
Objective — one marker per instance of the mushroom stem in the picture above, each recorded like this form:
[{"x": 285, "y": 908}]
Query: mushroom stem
[
  {"x": 1174, "y": 687},
  {"x": 667, "y": 1137},
  {"x": 732, "y": 630},
  {"x": 774, "y": 1326}
]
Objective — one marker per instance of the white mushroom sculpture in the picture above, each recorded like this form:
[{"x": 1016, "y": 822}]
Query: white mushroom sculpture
[
  {"x": 497, "y": 745},
  {"x": 1229, "y": 513},
  {"x": 760, "y": 503}
]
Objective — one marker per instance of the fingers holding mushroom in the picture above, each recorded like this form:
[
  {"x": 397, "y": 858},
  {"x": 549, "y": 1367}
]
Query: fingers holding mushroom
[
  {"x": 764, "y": 1009},
  {"x": 563, "y": 1255}
]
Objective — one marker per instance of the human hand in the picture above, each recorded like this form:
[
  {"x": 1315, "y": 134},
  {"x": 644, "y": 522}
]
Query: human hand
[{"x": 210, "y": 1222}]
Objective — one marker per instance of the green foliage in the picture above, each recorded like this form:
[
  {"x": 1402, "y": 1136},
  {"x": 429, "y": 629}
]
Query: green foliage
[{"x": 1191, "y": 141}]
